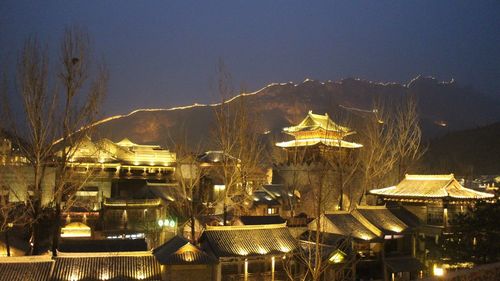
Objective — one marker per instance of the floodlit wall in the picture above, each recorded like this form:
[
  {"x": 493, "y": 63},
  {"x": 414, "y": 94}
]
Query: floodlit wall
[{"x": 17, "y": 181}]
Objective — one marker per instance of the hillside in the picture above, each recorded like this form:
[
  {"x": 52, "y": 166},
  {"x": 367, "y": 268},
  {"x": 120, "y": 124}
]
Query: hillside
[
  {"x": 468, "y": 152},
  {"x": 278, "y": 105}
]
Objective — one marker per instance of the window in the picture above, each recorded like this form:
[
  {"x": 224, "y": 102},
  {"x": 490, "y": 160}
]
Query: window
[
  {"x": 272, "y": 211},
  {"x": 435, "y": 215}
]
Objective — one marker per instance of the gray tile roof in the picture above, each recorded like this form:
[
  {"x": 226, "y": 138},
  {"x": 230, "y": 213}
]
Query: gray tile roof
[
  {"x": 346, "y": 224},
  {"x": 257, "y": 220},
  {"x": 382, "y": 218},
  {"x": 406, "y": 216},
  {"x": 430, "y": 186},
  {"x": 242, "y": 241},
  {"x": 178, "y": 251},
  {"x": 25, "y": 268},
  {"x": 107, "y": 266}
]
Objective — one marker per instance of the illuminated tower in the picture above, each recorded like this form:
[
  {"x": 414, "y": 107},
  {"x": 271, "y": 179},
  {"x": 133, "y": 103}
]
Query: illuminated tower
[{"x": 316, "y": 137}]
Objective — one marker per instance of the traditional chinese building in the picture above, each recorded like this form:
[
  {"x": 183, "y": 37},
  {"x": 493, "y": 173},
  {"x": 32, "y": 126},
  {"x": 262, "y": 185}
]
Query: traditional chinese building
[
  {"x": 385, "y": 245},
  {"x": 120, "y": 181},
  {"x": 315, "y": 137},
  {"x": 312, "y": 158},
  {"x": 181, "y": 260},
  {"x": 249, "y": 252},
  {"x": 434, "y": 199}
]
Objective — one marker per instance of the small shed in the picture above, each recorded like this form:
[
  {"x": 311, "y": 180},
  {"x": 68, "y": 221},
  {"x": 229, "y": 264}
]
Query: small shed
[{"x": 181, "y": 260}]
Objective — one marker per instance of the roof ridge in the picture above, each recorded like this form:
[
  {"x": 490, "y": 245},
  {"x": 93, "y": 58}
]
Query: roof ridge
[
  {"x": 429, "y": 177},
  {"x": 245, "y": 227},
  {"x": 104, "y": 254},
  {"x": 26, "y": 259}
]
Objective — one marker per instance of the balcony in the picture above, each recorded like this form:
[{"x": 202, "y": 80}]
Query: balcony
[{"x": 131, "y": 203}]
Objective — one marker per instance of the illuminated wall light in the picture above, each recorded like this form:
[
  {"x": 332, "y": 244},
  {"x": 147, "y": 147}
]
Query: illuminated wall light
[
  {"x": 219, "y": 187},
  {"x": 272, "y": 268},
  {"x": 365, "y": 237},
  {"x": 262, "y": 251},
  {"x": 284, "y": 249},
  {"x": 104, "y": 275},
  {"x": 246, "y": 270},
  {"x": 337, "y": 257},
  {"x": 437, "y": 270}
]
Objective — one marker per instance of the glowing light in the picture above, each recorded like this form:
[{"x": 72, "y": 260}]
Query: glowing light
[
  {"x": 284, "y": 249},
  {"x": 337, "y": 257},
  {"x": 365, "y": 237},
  {"x": 262, "y": 251},
  {"x": 242, "y": 252},
  {"x": 437, "y": 271},
  {"x": 160, "y": 223},
  {"x": 219, "y": 187},
  {"x": 104, "y": 275}
]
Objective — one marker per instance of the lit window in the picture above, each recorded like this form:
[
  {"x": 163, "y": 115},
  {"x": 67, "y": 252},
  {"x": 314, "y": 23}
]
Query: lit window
[{"x": 272, "y": 211}]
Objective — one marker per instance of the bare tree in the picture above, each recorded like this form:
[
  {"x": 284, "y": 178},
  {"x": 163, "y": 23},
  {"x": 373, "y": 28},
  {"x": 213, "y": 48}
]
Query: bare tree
[
  {"x": 188, "y": 175},
  {"x": 408, "y": 134},
  {"x": 80, "y": 109},
  {"x": 56, "y": 120},
  {"x": 236, "y": 136},
  {"x": 379, "y": 155}
]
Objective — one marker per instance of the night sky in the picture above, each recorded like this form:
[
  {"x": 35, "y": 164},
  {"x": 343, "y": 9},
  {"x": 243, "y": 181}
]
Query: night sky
[{"x": 165, "y": 53}]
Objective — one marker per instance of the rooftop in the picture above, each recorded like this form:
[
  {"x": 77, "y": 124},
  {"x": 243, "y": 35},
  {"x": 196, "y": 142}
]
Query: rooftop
[
  {"x": 316, "y": 121},
  {"x": 243, "y": 241},
  {"x": 179, "y": 251},
  {"x": 126, "y": 266},
  {"x": 346, "y": 224},
  {"x": 26, "y": 268},
  {"x": 382, "y": 218},
  {"x": 430, "y": 186},
  {"x": 259, "y": 220}
]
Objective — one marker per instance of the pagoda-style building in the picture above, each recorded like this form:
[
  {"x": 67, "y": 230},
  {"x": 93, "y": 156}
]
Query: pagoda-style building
[
  {"x": 319, "y": 145},
  {"x": 434, "y": 199},
  {"x": 316, "y": 137}
]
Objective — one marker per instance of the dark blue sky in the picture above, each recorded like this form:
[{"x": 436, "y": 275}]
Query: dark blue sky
[{"x": 165, "y": 53}]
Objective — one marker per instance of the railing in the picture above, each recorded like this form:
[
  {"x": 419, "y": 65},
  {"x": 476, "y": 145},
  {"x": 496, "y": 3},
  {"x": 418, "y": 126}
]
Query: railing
[
  {"x": 264, "y": 276},
  {"x": 108, "y": 202}
]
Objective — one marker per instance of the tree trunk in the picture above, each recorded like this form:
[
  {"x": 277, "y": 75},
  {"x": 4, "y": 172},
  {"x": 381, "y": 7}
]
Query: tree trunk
[
  {"x": 57, "y": 229},
  {"x": 7, "y": 243},
  {"x": 224, "y": 215},
  {"x": 35, "y": 240}
]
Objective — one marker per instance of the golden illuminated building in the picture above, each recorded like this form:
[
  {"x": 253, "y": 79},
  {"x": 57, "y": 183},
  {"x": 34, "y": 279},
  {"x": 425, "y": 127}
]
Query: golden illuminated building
[
  {"x": 316, "y": 137},
  {"x": 434, "y": 199},
  {"x": 318, "y": 129}
]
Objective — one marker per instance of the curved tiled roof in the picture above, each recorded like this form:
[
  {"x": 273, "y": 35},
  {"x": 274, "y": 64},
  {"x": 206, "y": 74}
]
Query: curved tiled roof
[
  {"x": 346, "y": 224},
  {"x": 254, "y": 240},
  {"x": 317, "y": 121},
  {"x": 179, "y": 251},
  {"x": 431, "y": 186},
  {"x": 126, "y": 266},
  {"x": 26, "y": 268},
  {"x": 382, "y": 218}
]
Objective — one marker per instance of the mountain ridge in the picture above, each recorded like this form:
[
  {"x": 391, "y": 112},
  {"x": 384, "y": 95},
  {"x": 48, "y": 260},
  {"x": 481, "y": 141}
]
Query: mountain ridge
[{"x": 444, "y": 106}]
